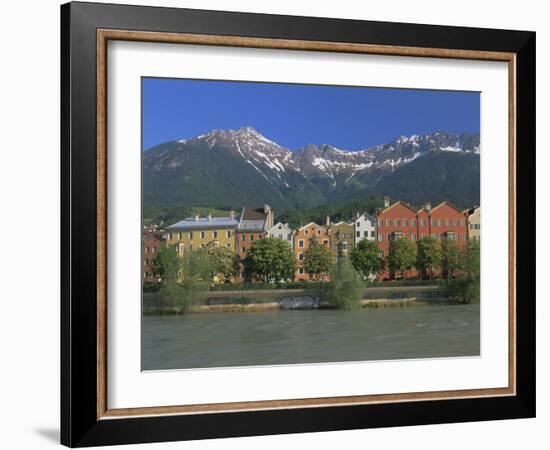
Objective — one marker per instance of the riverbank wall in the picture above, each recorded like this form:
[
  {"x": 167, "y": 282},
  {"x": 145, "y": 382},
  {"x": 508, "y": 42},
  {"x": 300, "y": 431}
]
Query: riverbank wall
[{"x": 296, "y": 299}]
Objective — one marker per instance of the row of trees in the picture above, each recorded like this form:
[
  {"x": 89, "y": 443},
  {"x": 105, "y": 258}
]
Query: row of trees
[{"x": 426, "y": 255}]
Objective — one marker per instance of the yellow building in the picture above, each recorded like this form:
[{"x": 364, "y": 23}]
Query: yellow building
[
  {"x": 474, "y": 223},
  {"x": 196, "y": 232},
  {"x": 342, "y": 240}
]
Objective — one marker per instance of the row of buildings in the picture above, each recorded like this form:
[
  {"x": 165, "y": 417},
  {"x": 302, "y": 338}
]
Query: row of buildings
[{"x": 239, "y": 232}]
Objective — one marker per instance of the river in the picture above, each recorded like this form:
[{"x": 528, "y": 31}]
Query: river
[{"x": 313, "y": 336}]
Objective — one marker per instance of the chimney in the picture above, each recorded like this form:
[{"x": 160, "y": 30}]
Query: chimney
[
  {"x": 328, "y": 221},
  {"x": 196, "y": 217},
  {"x": 428, "y": 206},
  {"x": 209, "y": 217},
  {"x": 231, "y": 213},
  {"x": 386, "y": 201}
]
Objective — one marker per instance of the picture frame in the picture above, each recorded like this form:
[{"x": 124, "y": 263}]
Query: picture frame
[{"x": 86, "y": 418}]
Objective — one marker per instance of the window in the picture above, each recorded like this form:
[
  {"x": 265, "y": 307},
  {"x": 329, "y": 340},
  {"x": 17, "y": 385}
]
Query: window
[
  {"x": 191, "y": 235},
  {"x": 413, "y": 237},
  {"x": 434, "y": 222},
  {"x": 146, "y": 250},
  {"x": 457, "y": 222},
  {"x": 243, "y": 249},
  {"x": 449, "y": 222},
  {"x": 215, "y": 233},
  {"x": 179, "y": 236},
  {"x": 350, "y": 235},
  {"x": 424, "y": 222},
  {"x": 306, "y": 232},
  {"x": 405, "y": 222},
  {"x": 301, "y": 243},
  {"x": 289, "y": 237},
  {"x": 358, "y": 234},
  {"x": 372, "y": 234},
  {"x": 169, "y": 236},
  {"x": 301, "y": 270},
  {"x": 397, "y": 222},
  {"x": 380, "y": 238},
  {"x": 365, "y": 234},
  {"x": 251, "y": 237},
  {"x": 414, "y": 222},
  {"x": 300, "y": 256},
  {"x": 243, "y": 237},
  {"x": 202, "y": 234},
  {"x": 318, "y": 232},
  {"x": 380, "y": 222},
  {"x": 325, "y": 241},
  {"x": 228, "y": 234},
  {"x": 228, "y": 245},
  {"x": 152, "y": 249},
  {"x": 389, "y": 222},
  {"x": 358, "y": 224}
]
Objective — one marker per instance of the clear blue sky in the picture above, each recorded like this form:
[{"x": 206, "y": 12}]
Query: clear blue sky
[{"x": 293, "y": 115}]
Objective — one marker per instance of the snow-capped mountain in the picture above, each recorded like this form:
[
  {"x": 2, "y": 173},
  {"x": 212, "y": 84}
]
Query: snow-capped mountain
[{"x": 222, "y": 166}]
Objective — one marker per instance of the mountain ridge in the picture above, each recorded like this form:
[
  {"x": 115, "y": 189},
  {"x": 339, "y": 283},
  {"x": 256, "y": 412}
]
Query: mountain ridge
[{"x": 233, "y": 167}]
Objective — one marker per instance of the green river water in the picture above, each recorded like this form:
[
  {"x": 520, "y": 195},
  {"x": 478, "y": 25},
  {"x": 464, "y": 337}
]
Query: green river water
[{"x": 310, "y": 336}]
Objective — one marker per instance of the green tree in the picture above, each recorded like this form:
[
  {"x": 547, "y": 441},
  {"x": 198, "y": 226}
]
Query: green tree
[
  {"x": 428, "y": 256},
  {"x": 466, "y": 288},
  {"x": 345, "y": 289},
  {"x": 218, "y": 260},
  {"x": 451, "y": 258},
  {"x": 166, "y": 262},
  {"x": 270, "y": 259},
  {"x": 401, "y": 256},
  {"x": 318, "y": 260},
  {"x": 471, "y": 260},
  {"x": 366, "y": 258}
]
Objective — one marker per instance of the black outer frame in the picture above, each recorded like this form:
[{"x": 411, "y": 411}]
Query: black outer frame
[{"x": 79, "y": 424}]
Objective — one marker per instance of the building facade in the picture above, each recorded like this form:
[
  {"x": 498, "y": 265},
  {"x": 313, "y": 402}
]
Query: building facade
[
  {"x": 253, "y": 225},
  {"x": 365, "y": 228},
  {"x": 302, "y": 240},
  {"x": 196, "y": 232},
  {"x": 152, "y": 243},
  {"x": 342, "y": 239},
  {"x": 474, "y": 223},
  {"x": 282, "y": 231},
  {"x": 400, "y": 221}
]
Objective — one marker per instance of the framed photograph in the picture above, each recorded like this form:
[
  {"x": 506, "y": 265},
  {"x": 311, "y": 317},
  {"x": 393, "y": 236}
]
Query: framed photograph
[{"x": 277, "y": 224}]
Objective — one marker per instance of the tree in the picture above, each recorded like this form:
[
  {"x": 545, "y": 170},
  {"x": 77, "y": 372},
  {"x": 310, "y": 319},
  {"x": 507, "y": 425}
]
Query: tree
[
  {"x": 451, "y": 258},
  {"x": 466, "y": 288},
  {"x": 471, "y": 260},
  {"x": 218, "y": 260},
  {"x": 318, "y": 260},
  {"x": 270, "y": 259},
  {"x": 366, "y": 258},
  {"x": 345, "y": 289},
  {"x": 166, "y": 263},
  {"x": 428, "y": 256},
  {"x": 401, "y": 256}
]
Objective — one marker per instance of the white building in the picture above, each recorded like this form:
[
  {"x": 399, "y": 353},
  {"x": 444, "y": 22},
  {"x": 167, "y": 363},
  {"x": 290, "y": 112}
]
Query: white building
[
  {"x": 282, "y": 231},
  {"x": 365, "y": 227}
]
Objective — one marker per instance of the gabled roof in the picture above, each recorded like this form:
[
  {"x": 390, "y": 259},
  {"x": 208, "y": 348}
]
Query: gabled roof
[
  {"x": 367, "y": 216},
  {"x": 448, "y": 204},
  {"x": 277, "y": 225},
  {"x": 309, "y": 224},
  {"x": 252, "y": 219},
  {"x": 398, "y": 203}
]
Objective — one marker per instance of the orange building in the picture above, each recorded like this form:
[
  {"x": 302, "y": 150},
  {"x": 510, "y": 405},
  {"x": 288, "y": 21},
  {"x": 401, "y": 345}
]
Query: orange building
[
  {"x": 152, "y": 243},
  {"x": 302, "y": 240}
]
